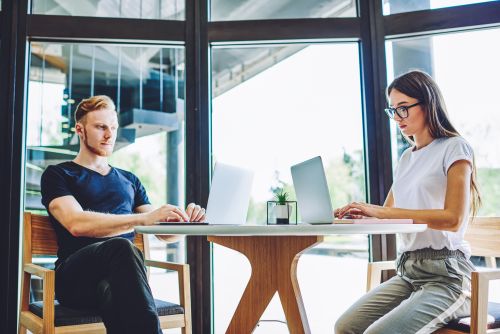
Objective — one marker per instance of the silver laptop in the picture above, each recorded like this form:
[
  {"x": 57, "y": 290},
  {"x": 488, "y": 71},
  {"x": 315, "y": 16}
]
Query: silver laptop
[
  {"x": 311, "y": 188},
  {"x": 229, "y": 197}
]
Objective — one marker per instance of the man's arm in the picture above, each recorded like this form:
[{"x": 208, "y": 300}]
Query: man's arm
[
  {"x": 193, "y": 211},
  {"x": 145, "y": 208},
  {"x": 82, "y": 223},
  {"x": 167, "y": 238}
]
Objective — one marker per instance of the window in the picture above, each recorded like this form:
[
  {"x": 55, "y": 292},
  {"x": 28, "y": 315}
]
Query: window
[
  {"x": 146, "y": 84},
  {"x": 467, "y": 87},
  {"x": 147, "y": 9},
  {"x": 272, "y": 107},
  {"x": 401, "y": 6},
  {"x": 230, "y": 10}
]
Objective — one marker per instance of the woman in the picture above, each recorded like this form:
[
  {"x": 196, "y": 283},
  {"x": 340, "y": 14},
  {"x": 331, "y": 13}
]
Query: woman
[{"x": 434, "y": 184}]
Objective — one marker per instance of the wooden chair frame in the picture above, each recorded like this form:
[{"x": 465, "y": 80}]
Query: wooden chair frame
[
  {"x": 40, "y": 239},
  {"x": 483, "y": 235}
]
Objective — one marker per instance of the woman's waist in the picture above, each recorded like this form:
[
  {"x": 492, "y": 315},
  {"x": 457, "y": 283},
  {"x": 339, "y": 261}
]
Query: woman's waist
[{"x": 431, "y": 253}]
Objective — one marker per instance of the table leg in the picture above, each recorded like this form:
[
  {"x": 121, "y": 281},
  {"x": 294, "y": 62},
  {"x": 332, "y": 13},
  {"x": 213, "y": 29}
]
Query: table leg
[{"x": 274, "y": 268}]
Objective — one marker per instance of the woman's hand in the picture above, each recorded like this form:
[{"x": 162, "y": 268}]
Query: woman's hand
[
  {"x": 353, "y": 214},
  {"x": 359, "y": 210},
  {"x": 195, "y": 213}
]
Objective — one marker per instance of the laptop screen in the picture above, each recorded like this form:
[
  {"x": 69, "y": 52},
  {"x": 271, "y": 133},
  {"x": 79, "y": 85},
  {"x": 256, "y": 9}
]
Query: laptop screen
[{"x": 311, "y": 188}]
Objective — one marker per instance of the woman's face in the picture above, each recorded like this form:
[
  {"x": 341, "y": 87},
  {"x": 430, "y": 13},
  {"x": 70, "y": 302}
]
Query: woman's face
[{"x": 416, "y": 122}]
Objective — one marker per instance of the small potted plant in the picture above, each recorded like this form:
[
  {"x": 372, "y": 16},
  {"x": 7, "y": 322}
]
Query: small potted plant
[{"x": 282, "y": 210}]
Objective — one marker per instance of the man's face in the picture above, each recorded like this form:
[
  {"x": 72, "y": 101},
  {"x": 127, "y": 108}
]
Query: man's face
[{"x": 97, "y": 131}]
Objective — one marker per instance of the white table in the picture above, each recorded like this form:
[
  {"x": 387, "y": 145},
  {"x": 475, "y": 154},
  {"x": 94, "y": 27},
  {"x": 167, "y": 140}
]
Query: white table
[{"x": 273, "y": 252}]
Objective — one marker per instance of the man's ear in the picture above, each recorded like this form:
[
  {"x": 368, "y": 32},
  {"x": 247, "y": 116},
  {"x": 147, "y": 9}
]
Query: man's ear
[{"x": 79, "y": 129}]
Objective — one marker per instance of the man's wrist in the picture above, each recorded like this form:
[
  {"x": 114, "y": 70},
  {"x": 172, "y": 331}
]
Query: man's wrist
[{"x": 143, "y": 219}]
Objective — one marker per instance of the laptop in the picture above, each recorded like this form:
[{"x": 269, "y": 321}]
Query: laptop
[
  {"x": 229, "y": 197},
  {"x": 313, "y": 196},
  {"x": 311, "y": 188}
]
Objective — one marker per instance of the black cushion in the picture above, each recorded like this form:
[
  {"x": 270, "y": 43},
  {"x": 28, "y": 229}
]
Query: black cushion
[
  {"x": 463, "y": 324},
  {"x": 65, "y": 316}
]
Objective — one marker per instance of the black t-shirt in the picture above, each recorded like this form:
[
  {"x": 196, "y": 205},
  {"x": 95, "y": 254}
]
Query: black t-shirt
[{"x": 118, "y": 192}]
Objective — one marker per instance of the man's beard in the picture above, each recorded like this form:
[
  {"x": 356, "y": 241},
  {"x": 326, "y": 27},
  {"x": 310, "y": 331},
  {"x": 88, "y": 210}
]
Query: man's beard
[{"x": 99, "y": 151}]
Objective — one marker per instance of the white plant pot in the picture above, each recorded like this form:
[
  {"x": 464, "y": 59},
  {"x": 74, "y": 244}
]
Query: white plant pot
[
  {"x": 282, "y": 210},
  {"x": 282, "y": 213}
]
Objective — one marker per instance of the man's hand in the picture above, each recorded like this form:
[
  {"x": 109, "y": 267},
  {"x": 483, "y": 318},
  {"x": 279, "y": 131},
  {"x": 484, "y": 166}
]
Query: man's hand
[
  {"x": 195, "y": 213},
  {"x": 166, "y": 213}
]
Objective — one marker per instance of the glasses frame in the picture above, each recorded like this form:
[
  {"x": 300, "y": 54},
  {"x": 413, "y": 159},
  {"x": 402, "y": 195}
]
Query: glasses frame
[{"x": 401, "y": 111}]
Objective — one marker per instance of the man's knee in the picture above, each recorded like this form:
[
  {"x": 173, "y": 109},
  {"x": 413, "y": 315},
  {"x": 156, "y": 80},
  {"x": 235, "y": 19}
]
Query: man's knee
[
  {"x": 118, "y": 243},
  {"x": 121, "y": 246},
  {"x": 104, "y": 294}
]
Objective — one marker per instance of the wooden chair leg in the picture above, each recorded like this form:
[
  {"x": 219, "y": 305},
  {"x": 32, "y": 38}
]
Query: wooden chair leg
[
  {"x": 22, "y": 330},
  {"x": 187, "y": 329}
]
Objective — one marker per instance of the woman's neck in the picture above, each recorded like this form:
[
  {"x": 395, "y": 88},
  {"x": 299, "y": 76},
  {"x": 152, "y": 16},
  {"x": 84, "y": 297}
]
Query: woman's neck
[{"x": 423, "y": 139}]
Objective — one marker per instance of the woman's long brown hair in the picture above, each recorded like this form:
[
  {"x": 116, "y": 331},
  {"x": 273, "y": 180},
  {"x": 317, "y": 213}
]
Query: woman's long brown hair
[{"x": 420, "y": 85}]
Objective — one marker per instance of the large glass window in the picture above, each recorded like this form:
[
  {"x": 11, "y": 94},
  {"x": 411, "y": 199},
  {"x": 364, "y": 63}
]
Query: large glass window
[
  {"x": 147, "y": 85},
  {"x": 468, "y": 87},
  {"x": 231, "y": 10},
  {"x": 401, "y": 6},
  {"x": 146, "y": 9},
  {"x": 275, "y": 106},
  {"x": 465, "y": 66}
]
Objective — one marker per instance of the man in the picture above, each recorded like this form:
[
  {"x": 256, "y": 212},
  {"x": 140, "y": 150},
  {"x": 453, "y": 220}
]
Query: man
[{"x": 93, "y": 208}]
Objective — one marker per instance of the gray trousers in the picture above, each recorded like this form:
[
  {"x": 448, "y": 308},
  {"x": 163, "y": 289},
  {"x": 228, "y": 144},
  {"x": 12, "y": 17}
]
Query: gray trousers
[{"x": 431, "y": 288}]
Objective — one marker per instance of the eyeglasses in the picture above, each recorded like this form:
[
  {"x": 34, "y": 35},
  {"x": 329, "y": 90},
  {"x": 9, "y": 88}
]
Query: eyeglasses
[{"x": 402, "y": 111}]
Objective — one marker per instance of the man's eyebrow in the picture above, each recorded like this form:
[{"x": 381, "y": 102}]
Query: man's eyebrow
[{"x": 104, "y": 124}]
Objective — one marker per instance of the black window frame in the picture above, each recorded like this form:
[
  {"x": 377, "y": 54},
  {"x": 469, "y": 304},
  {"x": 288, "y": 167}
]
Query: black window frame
[{"x": 371, "y": 28}]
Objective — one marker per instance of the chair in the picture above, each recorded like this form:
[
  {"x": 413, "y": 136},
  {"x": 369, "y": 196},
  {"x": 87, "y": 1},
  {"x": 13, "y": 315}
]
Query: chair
[
  {"x": 483, "y": 235},
  {"x": 48, "y": 317}
]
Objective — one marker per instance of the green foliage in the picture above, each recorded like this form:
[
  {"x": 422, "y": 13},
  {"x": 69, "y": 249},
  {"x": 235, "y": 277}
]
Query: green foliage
[
  {"x": 345, "y": 177},
  {"x": 489, "y": 187},
  {"x": 257, "y": 212},
  {"x": 281, "y": 196}
]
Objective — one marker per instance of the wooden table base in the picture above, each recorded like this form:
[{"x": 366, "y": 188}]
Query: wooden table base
[{"x": 274, "y": 268}]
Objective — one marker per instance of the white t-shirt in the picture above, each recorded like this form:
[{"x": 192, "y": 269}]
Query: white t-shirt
[{"x": 420, "y": 183}]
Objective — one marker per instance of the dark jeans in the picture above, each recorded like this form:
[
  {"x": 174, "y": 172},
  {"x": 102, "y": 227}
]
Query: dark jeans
[{"x": 110, "y": 277}]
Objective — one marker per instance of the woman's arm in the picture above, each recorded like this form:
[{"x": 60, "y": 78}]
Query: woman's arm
[
  {"x": 448, "y": 219},
  {"x": 389, "y": 200}
]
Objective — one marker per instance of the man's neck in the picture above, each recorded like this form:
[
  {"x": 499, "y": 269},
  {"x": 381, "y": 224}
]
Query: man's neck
[{"x": 93, "y": 161}]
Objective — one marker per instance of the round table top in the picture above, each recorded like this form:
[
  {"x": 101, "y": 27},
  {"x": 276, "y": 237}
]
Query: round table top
[{"x": 281, "y": 230}]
